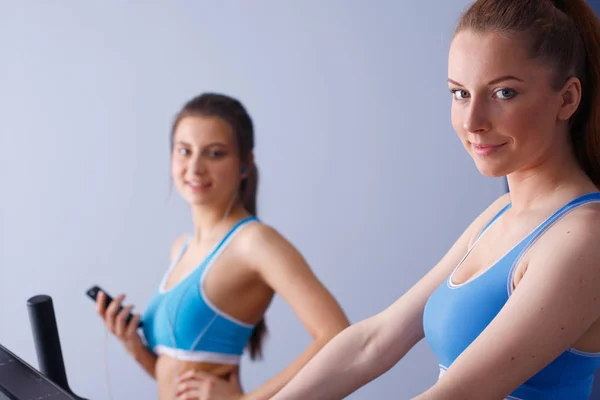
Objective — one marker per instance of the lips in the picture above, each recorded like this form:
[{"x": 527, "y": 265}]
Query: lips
[
  {"x": 486, "y": 146},
  {"x": 486, "y": 149},
  {"x": 198, "y": 186}
]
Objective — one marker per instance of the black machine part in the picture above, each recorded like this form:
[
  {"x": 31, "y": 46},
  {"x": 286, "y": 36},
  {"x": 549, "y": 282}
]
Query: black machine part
[{"x": 47, "y": 342}]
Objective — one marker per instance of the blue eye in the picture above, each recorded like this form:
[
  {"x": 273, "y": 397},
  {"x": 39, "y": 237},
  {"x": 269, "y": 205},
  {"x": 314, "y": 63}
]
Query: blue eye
[
  {"x": 459, "y": 94},
  {"x": 505, "y": 93}
]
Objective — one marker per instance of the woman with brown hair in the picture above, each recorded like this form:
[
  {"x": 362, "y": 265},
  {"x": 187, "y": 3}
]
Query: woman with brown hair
[
  {"x": 211, "y": 303},
  {"x": 512, "y": 311}
]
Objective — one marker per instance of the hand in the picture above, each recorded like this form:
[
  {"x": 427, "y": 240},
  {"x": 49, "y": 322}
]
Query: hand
[
  {"x": 126, "y": 333},
  {"x": 200, "y": 385}
]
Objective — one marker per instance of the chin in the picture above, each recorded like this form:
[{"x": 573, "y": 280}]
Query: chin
[
  {"x": 197, "y": 200},
  {"x": 194, "y": 198},
  {"x": 491, "y": 171}
]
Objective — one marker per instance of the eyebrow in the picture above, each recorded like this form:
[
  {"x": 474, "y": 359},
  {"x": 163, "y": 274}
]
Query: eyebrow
[
  {"x": 493, "y": 81},
  {"x": 181, "y": 142}
]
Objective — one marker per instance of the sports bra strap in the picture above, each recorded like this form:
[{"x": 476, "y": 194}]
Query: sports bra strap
[
  {"x": 498, "y": 215},
  {"x": 593, "y": 197}
]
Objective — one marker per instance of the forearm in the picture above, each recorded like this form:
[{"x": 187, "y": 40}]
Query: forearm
[
  {"x": 347, "y": 362},
  {"x": 147, "y": 360}
]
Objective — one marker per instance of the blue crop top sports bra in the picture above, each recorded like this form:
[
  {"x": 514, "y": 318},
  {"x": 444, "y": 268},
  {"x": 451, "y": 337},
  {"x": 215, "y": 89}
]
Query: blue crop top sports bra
[
  {"x": 183, "y": 323},
  {"x": 455, "y": 315}
]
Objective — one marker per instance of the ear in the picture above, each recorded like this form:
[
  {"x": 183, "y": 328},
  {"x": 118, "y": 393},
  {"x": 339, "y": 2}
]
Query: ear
[
  {"x": 247, "y": 165},
  {"x": 570, "y": 99}
]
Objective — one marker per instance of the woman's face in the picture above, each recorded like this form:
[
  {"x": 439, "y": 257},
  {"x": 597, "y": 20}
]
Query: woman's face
[
  {"x": 205, "y": 161},
  {"x": 504, "y": 109}
]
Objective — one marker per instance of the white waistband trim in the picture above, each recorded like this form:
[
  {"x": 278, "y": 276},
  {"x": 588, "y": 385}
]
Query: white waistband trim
[{"x": 198, "y": 356}]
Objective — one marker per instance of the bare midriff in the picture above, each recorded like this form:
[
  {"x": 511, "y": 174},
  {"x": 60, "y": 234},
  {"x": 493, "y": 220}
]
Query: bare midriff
[{"x": 168, "y": 369}]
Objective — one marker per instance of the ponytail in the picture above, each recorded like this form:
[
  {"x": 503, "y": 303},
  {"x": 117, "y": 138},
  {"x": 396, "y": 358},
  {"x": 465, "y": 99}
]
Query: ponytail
[
  {"x": 585, "y": 124},
  {"x": 256, "y": 339},
  {"x": 248, "y": 194},
  {"x": 249, "y": 188}
]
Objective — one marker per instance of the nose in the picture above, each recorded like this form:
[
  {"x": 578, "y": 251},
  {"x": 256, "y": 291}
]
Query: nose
[
  {"x": 476, "y": 119},
  {"x": 197, "y": 165}
]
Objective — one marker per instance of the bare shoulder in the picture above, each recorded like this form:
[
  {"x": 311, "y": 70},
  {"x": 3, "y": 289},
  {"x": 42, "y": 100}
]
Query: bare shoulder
[
  {"x": 486, "y": 216},
  {"x": 264, "y": 247},
  {"x": 496, "y": 206},
  {"x": 576, "y": 233},
  {"x": 581, "y": 223},
  {"x": 585, "y": 217},
  {"x": 500, "y": 203},
  {"x": 177, "y": 244},
  {"x": 259, "y": 236},
  {"x": 585, "y": 229}
]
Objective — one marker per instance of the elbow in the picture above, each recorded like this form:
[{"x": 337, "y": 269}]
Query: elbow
[
  {"x": 388, "y": 344},
  {"x": 374, "y": 345},
  {"x": 325, "y": 334},
  {"x": 323, "y": 337},
  {"x": 367, "y": 337}
]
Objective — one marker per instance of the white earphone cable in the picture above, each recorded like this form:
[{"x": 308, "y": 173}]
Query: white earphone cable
[
  {"x": 106, "y": 368},
  {"x": 171, "y": 325}
]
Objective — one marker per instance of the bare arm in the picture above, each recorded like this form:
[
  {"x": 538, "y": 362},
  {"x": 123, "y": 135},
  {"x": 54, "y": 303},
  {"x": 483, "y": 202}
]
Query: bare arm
[
  {"x": 554, "y": 305},
  {"x": 282, "y": 267},
  {"x": 126, "y": 334},
  {"x": 147, "y": 361},
  {"x": 371, "y": 347}
]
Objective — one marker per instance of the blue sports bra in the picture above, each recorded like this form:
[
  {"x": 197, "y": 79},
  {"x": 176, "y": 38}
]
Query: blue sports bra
[
  {"x": 455, "y": 315},
  {"x": 183, "y": 323}
]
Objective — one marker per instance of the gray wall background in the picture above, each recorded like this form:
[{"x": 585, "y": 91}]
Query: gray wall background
[{"x": 360, "y": 167}]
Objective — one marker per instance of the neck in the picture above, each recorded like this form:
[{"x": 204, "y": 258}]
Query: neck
[
  {"x": 208, "y": 217},
  {"x": 557, "y": 173}
]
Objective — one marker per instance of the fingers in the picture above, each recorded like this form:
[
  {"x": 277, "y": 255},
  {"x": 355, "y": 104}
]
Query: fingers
[
  {"x": 193, "y": 394},
  {"x": 192, "y": 375},
  {"x": 121, "y": 321},
  {"x": 195, "y": 388},
  {"x": 100, "y": 299},
  {"x": 188, "y": 387},
  {"x": 132, "y": 327},
  {"x": 111, "y": 311}
]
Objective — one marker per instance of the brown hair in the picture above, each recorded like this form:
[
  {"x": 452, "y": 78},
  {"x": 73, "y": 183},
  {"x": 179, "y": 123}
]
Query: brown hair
[
  {"x": 565, "y": 35},
  {"x": 234, "y": 113}
]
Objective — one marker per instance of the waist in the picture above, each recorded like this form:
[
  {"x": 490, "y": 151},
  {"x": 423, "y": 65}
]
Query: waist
[
  {"x": 169, "y": 368},
  {"x": 198, "y": 356}
]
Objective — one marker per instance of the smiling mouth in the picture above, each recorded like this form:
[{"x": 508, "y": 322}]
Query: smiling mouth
[
  {"x": 197, "y": 186},
  {"x": 486, "y": 149}
]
